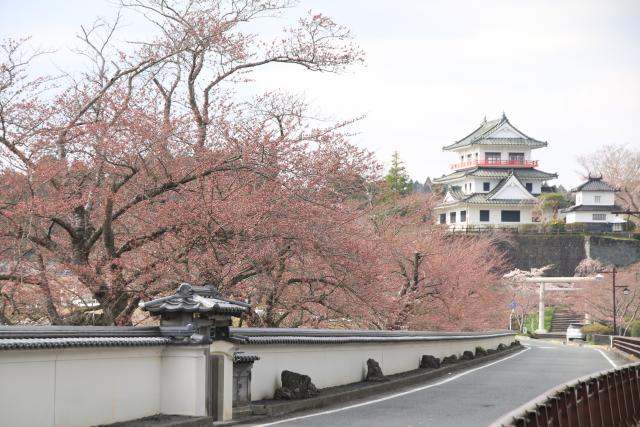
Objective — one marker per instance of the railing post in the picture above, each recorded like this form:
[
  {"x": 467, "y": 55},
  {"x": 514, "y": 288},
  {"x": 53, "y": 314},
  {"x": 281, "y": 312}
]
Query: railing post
[
  {"x": 609, "y": 401},
  {"x": 573, "y": 408},
  {"x": 564, "y": 416},
  {"x": 543, "y": 417},
  {"x": 582, "y": 402},
  {"x": 615, "y": 400},
  {"x": 635, "y": 390},
  {"x": 555, "y": 410},
  {"x": 627, "y": 395},
  {"x": 596, "y": 403}
]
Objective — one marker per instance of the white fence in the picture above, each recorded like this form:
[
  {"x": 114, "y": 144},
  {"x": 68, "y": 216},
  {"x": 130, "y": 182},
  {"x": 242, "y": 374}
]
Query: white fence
[
  {"x": 74, "y": 377},
  {"x": 334, "y": 358},
  {"x": 84, "y": 386}
]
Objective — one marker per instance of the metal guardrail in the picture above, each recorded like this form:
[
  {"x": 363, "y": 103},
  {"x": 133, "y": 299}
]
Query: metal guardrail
[
  {"x": 627, "y": 344},
  {"x": 609, "y": 398}
]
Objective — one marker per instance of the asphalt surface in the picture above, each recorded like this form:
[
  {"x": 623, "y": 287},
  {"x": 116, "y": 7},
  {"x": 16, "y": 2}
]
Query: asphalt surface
[{"x": 475, "y": 397}]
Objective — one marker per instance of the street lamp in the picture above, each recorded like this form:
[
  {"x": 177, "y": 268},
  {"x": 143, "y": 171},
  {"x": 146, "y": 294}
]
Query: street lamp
[{"x": 625, "y": 291}]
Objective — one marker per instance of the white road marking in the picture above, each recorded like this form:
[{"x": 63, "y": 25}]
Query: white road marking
[
  {"x": 393, "y": 396},
  {"x": 547, "y": 348},
  {"x": 607, "y": 357}
]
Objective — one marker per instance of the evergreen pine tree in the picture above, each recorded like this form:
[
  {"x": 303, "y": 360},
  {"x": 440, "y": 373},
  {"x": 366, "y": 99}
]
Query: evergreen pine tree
[{"x": 397, "y": 178}]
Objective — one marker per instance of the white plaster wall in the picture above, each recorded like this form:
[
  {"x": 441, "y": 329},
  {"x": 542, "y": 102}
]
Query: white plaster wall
[
  {"x": 504, "y": 152},
  {"x": 526, "y": 215},
  {"x": 607, "y": 198},
  {"x": 91, "y": 386},
  {"x": 579, "y": 198},
  {"x": 479, "y": 184},
  {"x": 183, "y": 380},
  {"x": 512, "y": 190},
  {"x": 338, "y": 364},
  {"x": 79, "y": 386},
  {"x": 473, "y": 216},
  {"x": 573, "y": 217},
  {"x": 536, "y": 186}
]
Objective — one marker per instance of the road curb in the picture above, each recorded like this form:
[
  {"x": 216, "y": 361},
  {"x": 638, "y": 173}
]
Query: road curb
[{"x": 369, "y": 389}]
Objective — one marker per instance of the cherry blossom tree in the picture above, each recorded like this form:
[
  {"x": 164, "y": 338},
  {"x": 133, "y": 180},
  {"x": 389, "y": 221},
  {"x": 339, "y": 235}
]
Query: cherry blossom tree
[
  {"x": 149, "y": 168},
  {"x": 435, "y": 280},
  {"x": 105, "y": 177}
]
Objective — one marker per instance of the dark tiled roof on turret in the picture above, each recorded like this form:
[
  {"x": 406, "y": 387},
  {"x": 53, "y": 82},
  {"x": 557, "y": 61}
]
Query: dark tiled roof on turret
[{"x": 593, "y": 184}]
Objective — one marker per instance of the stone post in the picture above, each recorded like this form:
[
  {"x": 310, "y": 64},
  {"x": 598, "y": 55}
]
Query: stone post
[{"x": 222, "y": 369}]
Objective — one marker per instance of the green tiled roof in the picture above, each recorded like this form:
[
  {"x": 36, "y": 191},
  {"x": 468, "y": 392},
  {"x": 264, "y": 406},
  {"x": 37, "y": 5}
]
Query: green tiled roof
[
  {"x": 482, "y": 172},
  {"x": 482, "y": 136},
  {"x": 456, "y": 192},
  {"x": 483, "y": 198}
]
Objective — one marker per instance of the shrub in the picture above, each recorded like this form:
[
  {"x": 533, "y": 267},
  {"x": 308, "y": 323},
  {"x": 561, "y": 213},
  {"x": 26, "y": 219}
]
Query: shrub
[
  {"x": 556, "y": 225},
  {"x": 598, "y": 329},
  {"x": 576, "y": 228},
  {"x": 634, "y": 329},
  {"x": 528, "y": 228}
]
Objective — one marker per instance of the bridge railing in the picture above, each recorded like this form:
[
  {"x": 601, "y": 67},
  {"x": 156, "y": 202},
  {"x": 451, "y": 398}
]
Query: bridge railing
[
  {"x": 627, "y": 344},
  {"x": 608, "y": 398}
]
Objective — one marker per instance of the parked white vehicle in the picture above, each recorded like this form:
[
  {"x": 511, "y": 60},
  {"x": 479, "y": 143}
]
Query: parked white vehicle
[{"x": 574, "y": 332}]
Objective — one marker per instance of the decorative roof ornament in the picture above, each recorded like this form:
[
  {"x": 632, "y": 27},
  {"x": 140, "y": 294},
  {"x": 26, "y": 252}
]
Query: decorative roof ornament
[{"x": 195, "y": 299}]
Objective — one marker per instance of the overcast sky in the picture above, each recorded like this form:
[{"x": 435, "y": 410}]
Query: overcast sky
[{"x": 567, "y": 72}]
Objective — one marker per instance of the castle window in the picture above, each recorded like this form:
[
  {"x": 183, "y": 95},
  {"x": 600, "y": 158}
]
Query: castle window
[
  {"x": 516, "y": 157},
  {"x": 463, "y": 216},
  {"x": 484, "y": 216},
  {"x": 600, "y": 217},
  {"x": 510, "y": 216},
  {"x": 492, "y": 157},
  {"x": 597, "y": 199},
  {"x": 529, "y": 187},
  {"x": 452, "y": 217},
  {"x": 443, "y": 218},
  {"x": 486, "y": 186}
]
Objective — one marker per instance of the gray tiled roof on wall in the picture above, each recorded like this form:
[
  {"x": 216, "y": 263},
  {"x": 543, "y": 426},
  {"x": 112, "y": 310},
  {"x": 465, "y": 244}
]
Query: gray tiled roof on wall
[
  {"x": 242, "y": 357},
  {"x": 48, "y": 343},
  {"x": 482, "y": 135},
  {"x": 53, "y": 336},
  {"x": 333, "y": 336}
]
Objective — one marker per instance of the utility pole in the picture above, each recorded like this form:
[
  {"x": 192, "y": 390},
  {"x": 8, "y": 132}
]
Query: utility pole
[{"x": 613, "y": 275}]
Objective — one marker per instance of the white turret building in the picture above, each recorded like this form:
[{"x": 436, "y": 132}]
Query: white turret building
[
  {"x": 595, "y": 207},
  {"x": 495, "y": 181}
]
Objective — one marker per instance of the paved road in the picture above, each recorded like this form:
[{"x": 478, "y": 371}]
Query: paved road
[{"x": 469, "y": 398}]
